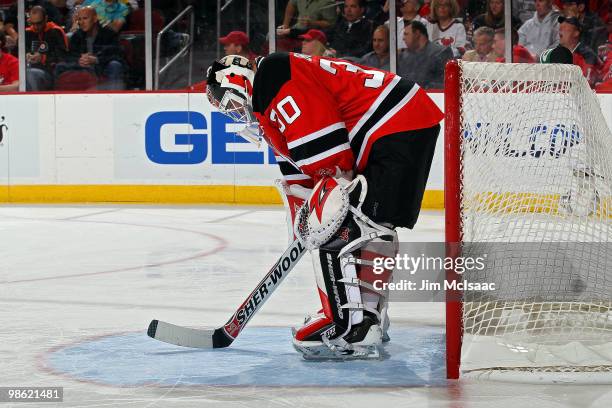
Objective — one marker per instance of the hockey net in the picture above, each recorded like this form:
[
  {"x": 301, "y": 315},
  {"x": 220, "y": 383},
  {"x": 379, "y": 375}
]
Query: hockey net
[{"x": 528, "y": 182}]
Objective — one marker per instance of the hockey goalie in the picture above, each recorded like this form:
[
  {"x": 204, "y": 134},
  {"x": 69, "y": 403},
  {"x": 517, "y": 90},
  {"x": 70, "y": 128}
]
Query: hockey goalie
[{"x": 354, "y": 146}]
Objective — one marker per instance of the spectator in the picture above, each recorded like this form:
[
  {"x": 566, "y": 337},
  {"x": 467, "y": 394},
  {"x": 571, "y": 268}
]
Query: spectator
[
  {"x": 602, "y": 8},
  {"x": 9, "y": 69},
  {"x": 64, "y": 12},
  {"x": 594, "y": 31},
  {"x": 483, "y": 46},
  {"x": 557, "y": 55},
  {"x": 96, "y": 49},
  {"x": 236, "y": 43},
  {"x": 314, "y": 43},
  {"x": 111, "y": 13},
  {"x": 444, "y": 28},
  {"x": 319, "y": 14},
  {"x": 379, "y": 58},
  {"x": 523, "y": 10},
  {"x": 11, "y": 36},
  {"x": 422, "y": 61},
  {"x": 519, "y": 53},
  {"x": 52, "y": 12},
  {"x": 351, "y": 35},
  {"x": 541, "y": 31},
  {"x": 375, "y": 12},
  {"x": 409, "y": 11},
  {"x": 569, "y": 36},
  {"x": 426, "y": 9},
  {"x": 132, "y": 4},
  {"x": 475, "y": 7},
  {"x": 301, "y": 16},
  {"x": 46, "y": 45},
  {"x": 11, "y": 24},
  {"x": 606, "y": 72},
  {"x": 494, "y": 16},
  {"x": 72, "y": 19}
]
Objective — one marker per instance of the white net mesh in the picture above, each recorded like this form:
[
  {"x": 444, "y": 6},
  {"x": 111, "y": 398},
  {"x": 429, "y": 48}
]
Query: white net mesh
[{"x": 536, "y": 172}]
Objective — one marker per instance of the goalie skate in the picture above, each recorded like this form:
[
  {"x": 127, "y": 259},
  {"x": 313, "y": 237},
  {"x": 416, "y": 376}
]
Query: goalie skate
[{"x": 368, "y": 336}]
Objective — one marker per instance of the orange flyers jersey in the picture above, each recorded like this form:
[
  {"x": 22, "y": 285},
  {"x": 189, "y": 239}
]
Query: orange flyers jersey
[{"x": 325, "y": 113}]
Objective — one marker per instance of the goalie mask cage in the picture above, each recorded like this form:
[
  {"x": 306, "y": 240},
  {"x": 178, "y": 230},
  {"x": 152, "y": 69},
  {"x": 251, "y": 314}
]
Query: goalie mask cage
[{"x": 528, "y": 181}]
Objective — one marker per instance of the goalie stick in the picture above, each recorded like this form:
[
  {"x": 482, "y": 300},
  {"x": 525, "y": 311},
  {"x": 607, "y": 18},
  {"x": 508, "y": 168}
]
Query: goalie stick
[{"x": 225, "y": 335}]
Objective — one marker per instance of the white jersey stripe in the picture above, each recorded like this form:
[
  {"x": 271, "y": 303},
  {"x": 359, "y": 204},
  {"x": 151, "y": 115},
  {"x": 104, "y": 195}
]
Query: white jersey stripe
[
  {"x": 321, "y": 156},
  {"x": 292, "y": 177},
  {"x": 373, "y": 107},
  {"x": 314, "y": 135},
  {"x": 384, "y": 119}
]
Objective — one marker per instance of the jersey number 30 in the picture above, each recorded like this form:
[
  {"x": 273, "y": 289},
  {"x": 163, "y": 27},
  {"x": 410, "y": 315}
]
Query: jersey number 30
[{"x": 288, "y": 110}]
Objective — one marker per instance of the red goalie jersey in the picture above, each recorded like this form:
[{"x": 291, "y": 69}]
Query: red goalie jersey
[{"x": 325, "y": 113}]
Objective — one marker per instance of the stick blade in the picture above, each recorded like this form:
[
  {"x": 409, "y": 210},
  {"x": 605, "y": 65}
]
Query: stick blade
[{"x": 181, "y": 336}]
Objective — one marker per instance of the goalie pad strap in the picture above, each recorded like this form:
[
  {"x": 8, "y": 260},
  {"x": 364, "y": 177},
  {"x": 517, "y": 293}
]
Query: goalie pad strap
[
  {"x": 358, "y": 261},
  {"x": 363, "y": 240},
  {"x": 361, "y": 306},
  {"x": 364, "y": 284}
]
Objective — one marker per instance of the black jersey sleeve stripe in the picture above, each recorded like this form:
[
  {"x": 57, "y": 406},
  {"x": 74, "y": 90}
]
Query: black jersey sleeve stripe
[
  {"x": 319, "y": 145},
  {"x": 287, "y": 168},
  {"x": 272, "y": 73},
  {"x": 398, "y": 93}
]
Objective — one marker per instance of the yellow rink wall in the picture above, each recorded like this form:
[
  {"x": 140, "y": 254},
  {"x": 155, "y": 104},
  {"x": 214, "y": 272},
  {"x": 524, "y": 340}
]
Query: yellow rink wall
[
  {"x": 168, "y": 194},
  {"x": 162, "y": 148}
]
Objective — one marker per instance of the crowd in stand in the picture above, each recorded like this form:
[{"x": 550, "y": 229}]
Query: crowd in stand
[
  {"x": 77, "y": 44},
  {"x": 430, "y": 32},
  {"x": 79, "y": 41}
]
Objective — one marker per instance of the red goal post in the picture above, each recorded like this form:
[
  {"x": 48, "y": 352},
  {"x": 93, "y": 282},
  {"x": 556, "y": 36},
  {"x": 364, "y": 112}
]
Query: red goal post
[{"x": 452, "y": 208}]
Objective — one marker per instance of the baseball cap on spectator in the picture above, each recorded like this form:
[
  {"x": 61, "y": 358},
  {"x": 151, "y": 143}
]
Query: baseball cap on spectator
[
  {"x": 557, "y": 55},
  {"x": 315, "y": 35},
  {"x": 235, "y": 37},
  {"x": 571, "y": 20}
]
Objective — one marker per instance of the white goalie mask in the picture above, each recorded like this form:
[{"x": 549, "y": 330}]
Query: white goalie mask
[{"x": 229, "y": 89}]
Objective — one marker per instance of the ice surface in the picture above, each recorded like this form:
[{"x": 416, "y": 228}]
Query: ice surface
[{"x": 79, "y": 285}]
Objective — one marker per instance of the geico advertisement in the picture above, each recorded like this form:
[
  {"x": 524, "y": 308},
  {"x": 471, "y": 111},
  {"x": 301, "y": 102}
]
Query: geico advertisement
[
  {"x": 167, "y": 143},
  {"x": 190, "y": 145}
]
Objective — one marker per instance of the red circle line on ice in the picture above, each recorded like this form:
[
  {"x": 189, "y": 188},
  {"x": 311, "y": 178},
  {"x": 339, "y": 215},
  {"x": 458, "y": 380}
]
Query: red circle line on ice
[{"x": 221, "y": 245}]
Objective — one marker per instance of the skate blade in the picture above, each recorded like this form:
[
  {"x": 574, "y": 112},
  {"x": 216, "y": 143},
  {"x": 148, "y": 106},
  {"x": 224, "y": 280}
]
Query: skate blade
[{"x": 324, "y": 353}]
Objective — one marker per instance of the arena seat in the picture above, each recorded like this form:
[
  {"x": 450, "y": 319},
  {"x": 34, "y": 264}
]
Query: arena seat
[{"x": 76, "y": 81}]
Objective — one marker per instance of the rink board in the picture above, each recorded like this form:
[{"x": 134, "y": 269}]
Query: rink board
[{"x": 144, "y": 148}]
